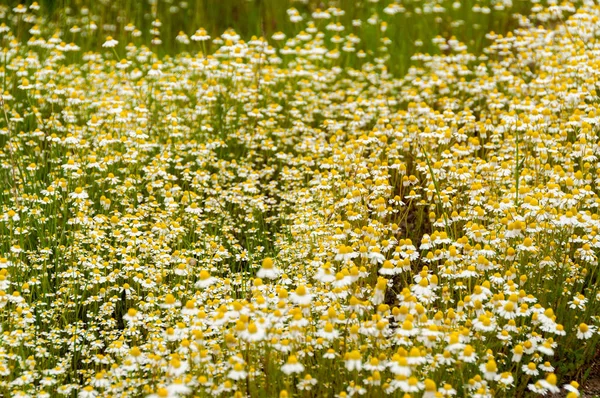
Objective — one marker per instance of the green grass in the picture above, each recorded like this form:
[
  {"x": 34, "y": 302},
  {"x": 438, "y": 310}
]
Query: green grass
[{"x": 411, "y": 30}]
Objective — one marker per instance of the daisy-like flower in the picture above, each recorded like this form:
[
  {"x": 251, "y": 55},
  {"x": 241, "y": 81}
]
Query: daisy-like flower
[
  {"x": 489, "y": 369},
  {"x": 517, "y": 353},
  {"x": 278, "y": 36},
  {"x": 399, "y": 365},
  {"x": 205, "y": 280},
  {"x": 79, "y": 193},
  {"x": 200, "y": 35},
  {"x": 407, "y": 329},
  {"x": 177, "y": 367},
  {"x": 292, "y": 366},
  {"x": 431, "y": 390},
  {"x": 468, "y": 354},
  {"x": 375, "y": 256},
  {"x": 505, "y": 379},
  {"x": 330, "y": 354},
  {"x": 388, "y": 269},
  {"x": 375, "y": 364},
  {"x": 447, "y": 390},
  {"x": 325, "y": 274},
  {"x": 301, "y": 296},
  {"x": 328, "y": 332},
  {"x": 508, "y": 309},
  {"x": 20, "y": 9},
  {"x": 110, "y": 42},
  {"x": 133, "y": 316},
  {"x": 170, "y": 302},
  {"x": 253, "y": 333},
  {"x": 572, "y": 387},
  {"x": 409, "y": 385},
  {"x": 416, "y": 357},
  {"x": 549, "y": 384},
  {"x": 307, "y": 383},
  {"x": 345, "y": 253},
  {"x": 546, "y": 367},
  {"x": 485, "y": 323},
  {"x": 353, "y": 360},
  {"x": 379, "y": 292},
  {"x": 182, "y": 38},
  {"x": 585, "y": 331},
  {"x": 268, "y": 270},
  {"x": 193, "y": 208},
  {"x": 87, "y": 392},
  {"x": 530, "y": 369},
  {"x": 238, "y": 372}
]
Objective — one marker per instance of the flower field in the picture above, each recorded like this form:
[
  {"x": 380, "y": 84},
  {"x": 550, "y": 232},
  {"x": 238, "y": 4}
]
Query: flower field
[{"x": 363, "y": 198}]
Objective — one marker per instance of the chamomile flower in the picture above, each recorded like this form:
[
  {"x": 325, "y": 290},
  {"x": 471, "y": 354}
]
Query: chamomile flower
[
  {"x": 301, "y": 296},
  {"x": 110, "y": 42},
  {"x": 205, "y": 280},
  {"x": 292, "y": 366},
  {"x": 268, "y": 270}
]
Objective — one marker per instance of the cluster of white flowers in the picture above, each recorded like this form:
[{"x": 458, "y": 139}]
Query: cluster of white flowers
[{"x": 262, "y": 221}]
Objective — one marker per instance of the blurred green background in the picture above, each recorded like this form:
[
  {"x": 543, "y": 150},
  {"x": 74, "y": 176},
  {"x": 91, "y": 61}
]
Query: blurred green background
[{"x": 409, "y": 24}]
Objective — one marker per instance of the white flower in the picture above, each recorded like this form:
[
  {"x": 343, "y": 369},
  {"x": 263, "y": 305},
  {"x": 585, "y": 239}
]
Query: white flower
[
  {"x": 584, "y": 331},
  {"x": 353, "y": 361},
  {"x": 268, "y": 270},
  {"x": 205, "y": 280},
  {"x": 200, "y": 35},
  {"x": 301, "y": 296},
  {"x": 110, "y": 42},
  {"x": 79, "y": 193},
  {"x": 87, "y": 392},
  {"x": 292, "y": 366},
  {"x": 253, "y": 333}
]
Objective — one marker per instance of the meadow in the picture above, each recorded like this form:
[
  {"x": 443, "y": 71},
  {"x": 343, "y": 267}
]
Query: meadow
[{"x": 299, "y": 199}]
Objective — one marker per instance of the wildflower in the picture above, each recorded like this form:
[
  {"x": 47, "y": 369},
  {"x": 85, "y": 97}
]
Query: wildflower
[
  {"x": 330, "y": 354},
  {"x": 430, "y": 388},
  {"x": 584, "y": 331},
  {"x": 88, "y": 392},
  {"x": 530, "y": 369},
  {"x": 110, "y": 42},
  {"x": 307, "y": 383},
  {"x": 292, "y": 366},
  {"x": 379, "y": 294},
  {"x": 399, "y": 366},
  {"x": 205, "y": 280},
  {"x": 546, "y": 367},
  {"x": 548, "y": 384},
  {"x": 133, "y": 316},
  {"x": 170, "y": 301},
  {"x": 182, "y": 38},
  {"x": 345, "y": 253},
  {"x": 328, "y": 332},
  {"x": 301, "y": 296},
  {"x": 468, "y": 355},
  {"x": 353, "y": 361},
  {"x": 268, "y": 270},
  {"x": 79, "y": 193},
  {"x": 447, "y": 390},
  {"x": 200, "y": 35},
  {"x": 517, "y": 353},
  {"x": 253, "y": 333},
  {"x": 572, "y": 387},
  {"x": 489, "y": 369},
  {"x": 505, "y": 379},
  {"x": 238, "y": 372}
]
